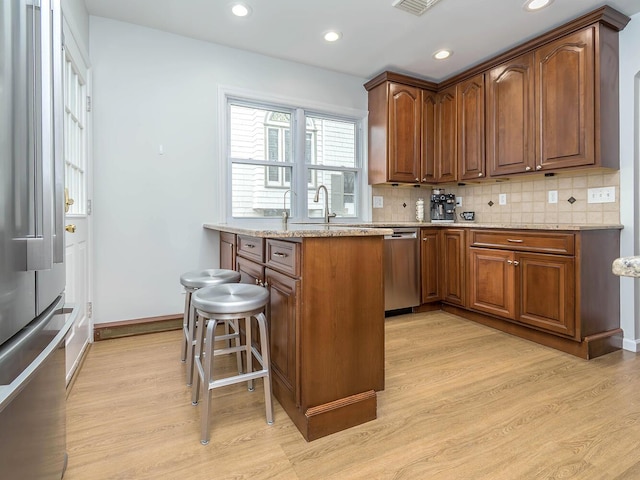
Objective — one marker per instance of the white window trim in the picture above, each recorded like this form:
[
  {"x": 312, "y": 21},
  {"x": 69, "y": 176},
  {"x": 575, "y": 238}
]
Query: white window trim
[{"x": 363, "y": 189}]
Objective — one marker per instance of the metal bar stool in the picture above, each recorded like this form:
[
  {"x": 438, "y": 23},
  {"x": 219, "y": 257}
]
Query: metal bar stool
[
  {"x": 192, "y": 281},
  {"x": 224, "y": 302}
]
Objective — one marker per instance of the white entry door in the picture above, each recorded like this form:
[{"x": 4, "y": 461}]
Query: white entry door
[{"x": 77, "y": 236}]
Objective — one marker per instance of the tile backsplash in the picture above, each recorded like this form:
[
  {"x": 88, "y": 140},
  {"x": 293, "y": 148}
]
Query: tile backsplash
[{"x": 527, "y": 200}]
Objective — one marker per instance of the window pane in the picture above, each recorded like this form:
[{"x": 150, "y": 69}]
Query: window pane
[
  {"x": 252, "y": 195},
  {"x": 259, "y": 133},
  {"x": 341, "y": 188},
  {"x": 331, "y": 142}
]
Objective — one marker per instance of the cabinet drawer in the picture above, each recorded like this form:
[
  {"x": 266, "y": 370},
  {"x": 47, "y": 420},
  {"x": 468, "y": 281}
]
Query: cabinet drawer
[
  {"x": 558, "y": 243},
  {"x": 283, "y": 256},
  {"x": 250, "y": 247}
]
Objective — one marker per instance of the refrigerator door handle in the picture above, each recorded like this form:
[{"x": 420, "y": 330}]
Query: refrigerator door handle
[
  {"x": 39, "y": 252},
  {"x": 10, "y": 391},
  {"x": 58, "y": 138}
]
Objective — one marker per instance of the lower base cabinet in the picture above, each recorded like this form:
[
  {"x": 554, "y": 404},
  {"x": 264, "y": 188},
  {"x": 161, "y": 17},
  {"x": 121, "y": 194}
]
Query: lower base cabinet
[
  {"x": 555, "y": 288},
  {"x": 326, "y": 325}
]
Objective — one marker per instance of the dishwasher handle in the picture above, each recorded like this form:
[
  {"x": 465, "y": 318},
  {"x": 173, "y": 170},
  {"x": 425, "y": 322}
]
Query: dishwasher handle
[{"x": 401, "y": 235}]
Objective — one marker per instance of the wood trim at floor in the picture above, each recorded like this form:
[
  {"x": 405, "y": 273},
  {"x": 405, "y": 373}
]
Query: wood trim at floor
[{"x": 139, "y": 326}]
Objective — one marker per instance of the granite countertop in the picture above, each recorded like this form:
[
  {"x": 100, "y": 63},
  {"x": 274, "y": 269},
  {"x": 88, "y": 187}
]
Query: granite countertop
[
  {"x": 299, "y": 230},
  {"x": 626, "y": 267},
  {"x": 510, "y": 226}
]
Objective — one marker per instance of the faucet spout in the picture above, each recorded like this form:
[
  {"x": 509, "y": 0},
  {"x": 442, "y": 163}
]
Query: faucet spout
[
  {"x": 285, "y": 214},
  {"x": 327, "y": 215}
]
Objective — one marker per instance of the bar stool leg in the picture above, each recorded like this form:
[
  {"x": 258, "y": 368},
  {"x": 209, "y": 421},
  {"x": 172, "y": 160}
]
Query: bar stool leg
[
  {"x": 206, "y": 380},
  {"x": 266, "y": 365},
  {"x": 235, "y": 324},
  {"x": 195, "y": 391},
  {"x": 185, "y": 325},
  {"x": 191, "y": 334},
  {"x": 248, "y": 354}
]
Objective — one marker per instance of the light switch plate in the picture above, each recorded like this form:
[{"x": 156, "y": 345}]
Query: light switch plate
[
  {"x": 502, "y": 199},
  {"x": 378, "y": 201},
  {"x": 458, "y": 201}
]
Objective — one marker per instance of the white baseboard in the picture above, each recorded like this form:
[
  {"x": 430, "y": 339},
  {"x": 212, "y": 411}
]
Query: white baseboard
[{"x": 631, "y": 345}]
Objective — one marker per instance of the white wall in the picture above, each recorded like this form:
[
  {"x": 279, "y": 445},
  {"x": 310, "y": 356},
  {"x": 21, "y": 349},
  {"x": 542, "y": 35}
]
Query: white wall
[
  {"x": 152, "y": 88},
  {"x": 629, "y": 177},
  {"x": 76, "y": 16}
]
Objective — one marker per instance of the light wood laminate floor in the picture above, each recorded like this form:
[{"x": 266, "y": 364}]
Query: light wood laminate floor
[{"x": 462, "y": 401}]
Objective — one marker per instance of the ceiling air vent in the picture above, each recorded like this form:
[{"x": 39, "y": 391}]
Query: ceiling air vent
[{"x": 416, "y": 7}]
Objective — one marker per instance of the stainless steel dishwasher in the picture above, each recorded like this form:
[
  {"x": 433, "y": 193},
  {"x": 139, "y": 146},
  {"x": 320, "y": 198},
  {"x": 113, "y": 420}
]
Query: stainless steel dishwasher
[{"x": 401, "y": 269}]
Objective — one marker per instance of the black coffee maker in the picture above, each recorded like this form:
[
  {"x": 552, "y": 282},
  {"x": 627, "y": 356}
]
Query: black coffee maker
[{"x": 443, "y": 206}]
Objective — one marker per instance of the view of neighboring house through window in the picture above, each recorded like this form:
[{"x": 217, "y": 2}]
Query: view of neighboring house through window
[{"x": 274, "y": 149}]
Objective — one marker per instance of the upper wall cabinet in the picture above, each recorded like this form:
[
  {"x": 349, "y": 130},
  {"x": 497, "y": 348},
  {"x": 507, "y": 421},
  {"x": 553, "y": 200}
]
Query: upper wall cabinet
[
  {"x": 510, "y": 123},
  {"x": 566, "y": 102},
  {"x": 401, "y": 129},
  {"x": 544, "y": 106},
  {"x": 471, "y": 157}
]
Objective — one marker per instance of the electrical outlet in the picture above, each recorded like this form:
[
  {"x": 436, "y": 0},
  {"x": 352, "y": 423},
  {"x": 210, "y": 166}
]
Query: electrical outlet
[
  {"x": 502, "y": 199},
  {"x": 378, "y": 201},
  {"x": 458, "y": 201},
  {"x": 601, "y": 195},
  {"x": 553, "y": 196}
]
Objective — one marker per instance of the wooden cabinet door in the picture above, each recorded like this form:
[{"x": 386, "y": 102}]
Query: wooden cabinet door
[
  {"x": 250, "y": 272},
  {"x": 283, "y": 315},
  {"x": 430, "y": 265},
  {"x": 491, "y": 283},
  {"x": 446, "y": 147},
  {"x": 453, "y": 266},
  {"x": 429, "y": 137},
  {"x": 404, "y": 133},
  {"x": 471, "y": 158},
  {"x": 227, "y": 251},
  {"x": 547, "y": 292},
  {"x": 510, "y": 117},
  {"x": 565, "y": 97}
]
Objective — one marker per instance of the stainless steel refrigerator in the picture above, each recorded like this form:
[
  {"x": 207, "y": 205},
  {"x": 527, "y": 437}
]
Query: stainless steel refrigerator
[{"x": 33, "y": 317}]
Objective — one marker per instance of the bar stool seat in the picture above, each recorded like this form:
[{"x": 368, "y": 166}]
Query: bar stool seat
[
  {"x": 224, "y": 302},
  {"x": 192, "y": 281}
]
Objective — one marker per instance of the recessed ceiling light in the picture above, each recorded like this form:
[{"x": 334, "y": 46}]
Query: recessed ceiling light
[
  {"x": 332, "y": 36},
  {"x": 535, "y": 5},
  {"x": 442, "y": 54},
  {"x": 240, "y": 10}
]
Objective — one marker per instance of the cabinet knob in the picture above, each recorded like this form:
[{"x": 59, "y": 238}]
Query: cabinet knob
[
  {"x": 417, "y": 179},
  {"x": 424, "y": 179},
  {"x": 510, "y": 262},
  {"x": 539, "y": 167},
  {"x": 527, "y": 169},
  {"x": 480, "y": 174},
  {"x": 425, "y": 239},
  {"x": 516, "y": 263}
]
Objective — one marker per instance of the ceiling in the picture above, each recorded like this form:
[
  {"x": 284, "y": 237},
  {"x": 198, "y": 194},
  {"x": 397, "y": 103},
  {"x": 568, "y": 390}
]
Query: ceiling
[{"x": 375, "y": 36}]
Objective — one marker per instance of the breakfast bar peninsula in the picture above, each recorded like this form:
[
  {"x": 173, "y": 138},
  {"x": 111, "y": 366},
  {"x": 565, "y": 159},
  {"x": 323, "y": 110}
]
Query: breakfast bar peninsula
[{"x": 325, "y": 314}]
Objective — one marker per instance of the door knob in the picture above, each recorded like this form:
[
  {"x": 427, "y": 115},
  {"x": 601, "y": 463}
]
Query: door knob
[{"x": 71, "y": 228}]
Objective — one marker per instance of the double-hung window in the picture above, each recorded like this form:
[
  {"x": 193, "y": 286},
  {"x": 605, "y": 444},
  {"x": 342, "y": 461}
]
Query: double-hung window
[{"x": 276, "y": 149}]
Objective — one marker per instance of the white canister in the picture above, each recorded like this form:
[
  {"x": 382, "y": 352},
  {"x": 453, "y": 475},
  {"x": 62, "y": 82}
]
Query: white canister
[{"x": 420, "y": 210}]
